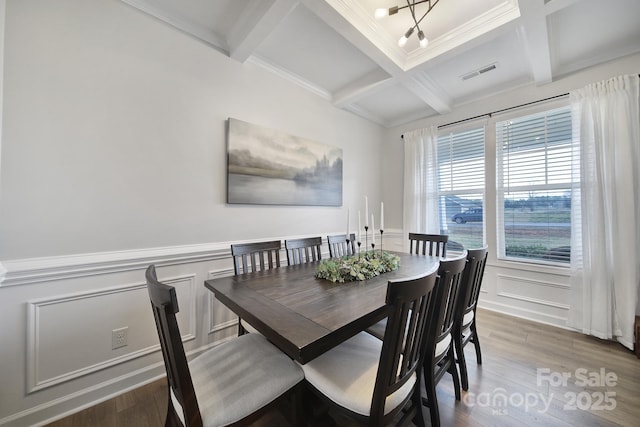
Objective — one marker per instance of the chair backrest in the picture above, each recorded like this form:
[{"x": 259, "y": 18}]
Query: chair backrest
[
  {"x": 450, "y": 274},
  {"x": 338, "y": 246},
  {"x": 300, "y": 251},
  {"x": 165, "y": 306},
  {"x": 255, "y": 256},
  {"x": 471, "y": 281},
  {"x": 428, "y": 244},
  {"x": 410, "y": 304}
]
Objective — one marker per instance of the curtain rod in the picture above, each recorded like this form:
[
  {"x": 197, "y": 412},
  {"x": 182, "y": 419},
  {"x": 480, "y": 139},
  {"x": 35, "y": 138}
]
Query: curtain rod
[{"x": 500, "y": 111}]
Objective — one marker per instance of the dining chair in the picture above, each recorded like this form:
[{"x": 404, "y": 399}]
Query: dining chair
[
  {"x": 338, "y": 246},
  {"x": 370, "y": 380},
  {"x": 440, "y": 356},
  {"x": 428, "y": 244},
  {"x": 255, "y": 256},
  {"x": 464, "y": 326},
  {"x": 300, "y": 251},
  {"x": 421, "y": 244},
  {"x": 251, "y": 257},
  {"x": 233, "y": 383}
]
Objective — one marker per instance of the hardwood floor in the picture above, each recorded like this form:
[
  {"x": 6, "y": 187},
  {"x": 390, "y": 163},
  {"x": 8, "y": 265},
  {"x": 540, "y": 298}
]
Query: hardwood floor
[{"x": 532, "y": 374}]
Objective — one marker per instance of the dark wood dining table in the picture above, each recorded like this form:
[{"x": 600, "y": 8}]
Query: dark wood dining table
[{"x": 305, "y": 316}]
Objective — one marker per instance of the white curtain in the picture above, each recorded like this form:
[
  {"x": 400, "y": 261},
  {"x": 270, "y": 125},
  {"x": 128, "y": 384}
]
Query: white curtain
[
  {"x": 420, "y": 182},
  {"x": 605, "y": 249}
]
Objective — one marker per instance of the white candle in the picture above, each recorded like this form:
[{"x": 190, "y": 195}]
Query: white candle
[
  {"x": 348, "y": 215},
  {"x": 373, "y": 233},
  {"x": 359, "y": 227},
  {"x": 381, "y": 216},
  {"x": 366, "y": 211}
]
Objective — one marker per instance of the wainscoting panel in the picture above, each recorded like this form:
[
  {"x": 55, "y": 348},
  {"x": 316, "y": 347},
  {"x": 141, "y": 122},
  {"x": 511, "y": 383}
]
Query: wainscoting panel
[
  {"x": 530, "y": 295},
  {"x": 70, "y": 335},
  {"x": 220, "y": 317},
  {"x": 534, "y": 291}
]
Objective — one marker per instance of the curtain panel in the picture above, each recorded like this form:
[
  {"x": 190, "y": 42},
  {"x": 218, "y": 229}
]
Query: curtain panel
[
  {"x": 605, "y": 249},
  {"x": 420, "y": 199}
]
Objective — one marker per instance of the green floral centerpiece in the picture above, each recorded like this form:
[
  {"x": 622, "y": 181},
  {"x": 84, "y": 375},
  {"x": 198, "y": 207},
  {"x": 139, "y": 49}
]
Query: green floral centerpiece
[{"x": 358, "y": 267}]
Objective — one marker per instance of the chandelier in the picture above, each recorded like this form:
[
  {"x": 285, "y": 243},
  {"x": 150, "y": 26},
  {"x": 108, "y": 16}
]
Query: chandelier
[{"x": 411, "y": 4}]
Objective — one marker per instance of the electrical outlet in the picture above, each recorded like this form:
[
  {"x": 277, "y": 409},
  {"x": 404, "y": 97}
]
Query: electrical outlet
[{"x": 119, "y": 337}]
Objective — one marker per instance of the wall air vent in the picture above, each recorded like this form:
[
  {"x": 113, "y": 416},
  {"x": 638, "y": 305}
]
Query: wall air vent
[
  {"x": 479, "y": 71},
  {"x": 487, "y": 69},
  {"x": 470, "y": 75}
]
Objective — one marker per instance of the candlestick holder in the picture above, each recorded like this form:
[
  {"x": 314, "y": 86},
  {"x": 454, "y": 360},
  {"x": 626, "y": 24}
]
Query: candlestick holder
[
  {"x": 359, "y": 243},
  {"x": 366, "y": 236},
  {"x": 373, "y": 248},
  {"x": 381, "y": 232},
  {"x": 348, "y": 241}
]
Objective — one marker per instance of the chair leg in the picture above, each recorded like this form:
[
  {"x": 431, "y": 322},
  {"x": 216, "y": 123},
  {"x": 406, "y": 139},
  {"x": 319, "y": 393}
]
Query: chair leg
[
  {"x": 476, "y": 343},
  {"x": 432, "y": 399},
  {"x": 297, "y": 406},
  {"x": 418, "y": 419},
  {"x": 453, "y": 370},
  {"x": 172, "y": 419},
  {"x": 462, "y": 363}
]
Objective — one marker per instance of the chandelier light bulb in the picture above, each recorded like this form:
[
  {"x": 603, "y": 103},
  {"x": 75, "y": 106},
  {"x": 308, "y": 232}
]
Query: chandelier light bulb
[
  {"x": 381, "y": 13},
  {"x": 423, "y": 40},
  {"x": 411, "y": 5},
  {"x": 403, "y": 39}
]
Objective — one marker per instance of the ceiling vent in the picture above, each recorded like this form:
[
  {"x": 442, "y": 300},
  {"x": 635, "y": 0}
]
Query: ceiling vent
[{"x": 479, "y": 71}]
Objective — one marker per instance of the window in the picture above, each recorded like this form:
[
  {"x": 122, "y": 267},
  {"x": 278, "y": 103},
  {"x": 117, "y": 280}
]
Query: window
[
  {"x": 461, "y": 186},
  {"x": 534, "y": 186}
]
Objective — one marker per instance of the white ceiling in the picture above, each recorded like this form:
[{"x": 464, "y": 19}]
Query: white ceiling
[{"x": 339, "y": 51}]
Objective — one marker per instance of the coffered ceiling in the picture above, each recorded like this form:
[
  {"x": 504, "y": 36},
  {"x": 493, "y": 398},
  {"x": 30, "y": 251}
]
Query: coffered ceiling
[{"x": 339, "y": 51}]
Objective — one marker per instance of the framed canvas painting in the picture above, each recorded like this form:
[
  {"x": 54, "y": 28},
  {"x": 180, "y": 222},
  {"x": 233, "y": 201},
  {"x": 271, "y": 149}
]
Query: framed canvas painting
[{"x": 270, "y": 167}]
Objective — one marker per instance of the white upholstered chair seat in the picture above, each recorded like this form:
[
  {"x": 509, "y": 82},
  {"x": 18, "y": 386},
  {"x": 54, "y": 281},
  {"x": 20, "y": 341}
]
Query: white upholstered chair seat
[
  {"x": 467, "y": 319},
  {"x": 347, "y": 373},
  {"x": 238, "y": 377},
  {"x": 443, "y": 345}
]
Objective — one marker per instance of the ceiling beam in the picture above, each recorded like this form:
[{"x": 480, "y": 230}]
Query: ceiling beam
[
  {"x": 535, "y": 36},
  {"x": 259, "y": 19},
  {"x": 423, "y": 86},
  {"x": 364, "y": 86}
]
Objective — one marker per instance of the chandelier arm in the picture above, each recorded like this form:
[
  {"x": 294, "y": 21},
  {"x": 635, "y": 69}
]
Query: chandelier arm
[
  {"x": 431, "y": 6},
  {"x": 412, "y": 3},
  {"x": 412, "y": 8}
]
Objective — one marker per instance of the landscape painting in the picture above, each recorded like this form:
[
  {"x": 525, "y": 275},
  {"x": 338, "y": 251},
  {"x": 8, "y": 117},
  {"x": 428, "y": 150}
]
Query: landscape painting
[{"x": 270, "y": 167}]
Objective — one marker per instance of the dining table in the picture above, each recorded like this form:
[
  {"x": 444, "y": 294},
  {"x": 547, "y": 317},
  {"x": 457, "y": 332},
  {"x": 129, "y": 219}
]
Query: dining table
[{"x": 305, "y": 316}]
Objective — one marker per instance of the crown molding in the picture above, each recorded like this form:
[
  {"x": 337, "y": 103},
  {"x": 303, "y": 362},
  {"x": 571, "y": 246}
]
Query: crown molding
[
  {"x": 288, "y": 75},
  {"x": 181, "y": 23}
]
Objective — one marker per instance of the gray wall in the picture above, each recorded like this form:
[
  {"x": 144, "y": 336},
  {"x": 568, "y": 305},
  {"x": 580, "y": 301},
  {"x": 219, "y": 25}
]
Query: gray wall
[{"x": 114, "y": 135}]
